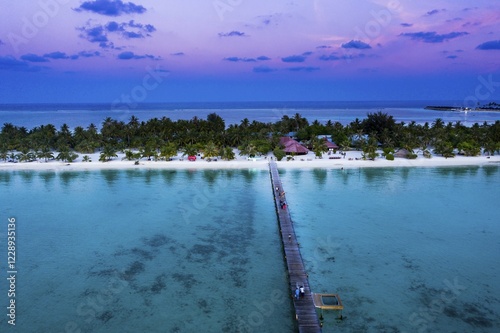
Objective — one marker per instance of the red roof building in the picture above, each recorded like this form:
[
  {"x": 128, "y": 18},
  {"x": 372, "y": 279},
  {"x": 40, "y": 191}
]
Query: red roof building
[
  {"x": 330, "y": 145},
  {"x": 292, "y": 146}
]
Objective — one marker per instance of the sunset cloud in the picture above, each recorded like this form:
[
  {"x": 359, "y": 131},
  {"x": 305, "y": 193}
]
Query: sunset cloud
[
  {"x": 433, "y": 37},
  {"x": 111, "y": 7}
]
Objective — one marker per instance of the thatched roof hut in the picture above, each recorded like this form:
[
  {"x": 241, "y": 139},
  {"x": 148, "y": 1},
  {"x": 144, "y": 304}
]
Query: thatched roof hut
[
  {"x": 284, "y": 140},
  {"x": 331, "y": 145},
  {"x": 402, "y": 153},
  {"x": 292, "y": 146},
  {"x": 296, "y": 148}
]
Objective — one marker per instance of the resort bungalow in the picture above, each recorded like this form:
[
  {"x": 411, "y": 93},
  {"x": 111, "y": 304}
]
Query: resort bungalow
[
  {"x": 286, "y": 139},
  {"x": 332, "y": 146},
  {"x": 402, "y": 153},
  {"x": 292, "y": 146},
  {"x": 325, "y": 136}
]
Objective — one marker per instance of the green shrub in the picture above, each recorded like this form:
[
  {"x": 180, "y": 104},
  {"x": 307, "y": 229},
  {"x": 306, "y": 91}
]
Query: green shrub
[
  {"x": 387, "y": 151},
  {"x": 411, "y": 156},
  {"x": 279, "y": 154},
  {"x": 446, "y": 155},
  {"x": 389, "y": 157}
]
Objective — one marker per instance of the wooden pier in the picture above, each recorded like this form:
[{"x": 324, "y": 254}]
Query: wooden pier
[{"x": 305, "y": 311}]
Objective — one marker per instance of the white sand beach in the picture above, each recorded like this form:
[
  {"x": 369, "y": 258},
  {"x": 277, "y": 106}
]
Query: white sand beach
[{"x": 352, "y": 160}]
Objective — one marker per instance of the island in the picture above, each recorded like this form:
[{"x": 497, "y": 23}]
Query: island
[{"x": 492, "y": 106}]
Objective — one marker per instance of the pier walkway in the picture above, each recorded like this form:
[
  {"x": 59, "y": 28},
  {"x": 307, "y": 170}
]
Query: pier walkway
[{"x": 305, "y": 311}]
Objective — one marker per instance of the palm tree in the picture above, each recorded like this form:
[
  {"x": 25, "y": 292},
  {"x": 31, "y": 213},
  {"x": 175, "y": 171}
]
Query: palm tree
[
  {"x": 245, "y": 123},
  {"x": 72, "y": 157},
  {"x": 130, "y": 155},
  {"x": 263, "y": 146},
  {"x": 370, "y": 149},
  {"x": 168, "y": 151},
  {"x": 215, "y": 123},
  {"x": 377, "y": 122},
  {"x": 189, "y": 150},
  {"x": 112, "y": 130},
  {"x": 22, "y": 157},
  {"x": 438, "y": 123},
  {"x": 345, "y": 145},
  {"x": 107, "y": 153},
  {"x": 444, "y": 148},
  {"x": 234, "y": 136},
  {"x": 79, "y": 135},
  {"x": 489, "y": 147},
  {"x": 210, "y": 150},
  {"x": 319, "y": 147},
  {"x": 155, "y": 143},
  {"x": 4, "y": 153},
  {"x": 45, "y": 135},
  {"x": 86, "y": 147},
  {"x": 360, "y": 139},
  {"x": 149, "y": 151},
  {"x": 133, "y": 122},
  {"x": 469, "y": 148},
  {"x": 300, "y": 122},
  {"x": 227, "y": 153},
  {"x": 356, "y": 126},
  {"x": 45, "y": 153},
  {"x": 92, "y": 134},
  {"x": 248, "y": 149},
  {"x": 66, "y": 156},
  {"x": 329, "y": 125},
  {"x": 8, "y": 129},
  {"x": 64, "y": 137},
  {"x": 131, "y": 130}
]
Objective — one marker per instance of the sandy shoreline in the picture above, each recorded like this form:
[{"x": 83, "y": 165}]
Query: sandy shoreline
[{"x": 351, "y": 161}]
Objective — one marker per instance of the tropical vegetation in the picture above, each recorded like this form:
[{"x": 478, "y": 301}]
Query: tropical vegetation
[{"x": 162, "y": 139}]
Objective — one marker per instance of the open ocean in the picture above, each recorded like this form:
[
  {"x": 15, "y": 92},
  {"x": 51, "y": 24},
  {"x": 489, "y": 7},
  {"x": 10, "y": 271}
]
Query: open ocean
[
  {"x": 407, "y": 249},
  {"x": 31, "y": 115}
]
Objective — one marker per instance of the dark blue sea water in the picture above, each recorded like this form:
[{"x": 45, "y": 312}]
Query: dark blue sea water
[{"x": 31, "y": 115}]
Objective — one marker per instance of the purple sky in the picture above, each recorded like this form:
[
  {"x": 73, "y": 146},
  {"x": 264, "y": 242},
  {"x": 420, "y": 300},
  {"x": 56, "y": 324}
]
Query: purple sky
[{"x": 249, "y": 50}]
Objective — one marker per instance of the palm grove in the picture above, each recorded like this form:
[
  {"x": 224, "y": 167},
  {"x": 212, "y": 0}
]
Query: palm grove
[{"x": 161, "y": 139}]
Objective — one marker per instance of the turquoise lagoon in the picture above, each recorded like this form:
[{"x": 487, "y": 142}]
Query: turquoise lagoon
[
  {"x": 145, "y": 251},
  {"x": 407, "y": 249}
]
